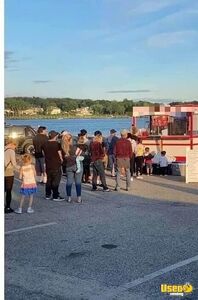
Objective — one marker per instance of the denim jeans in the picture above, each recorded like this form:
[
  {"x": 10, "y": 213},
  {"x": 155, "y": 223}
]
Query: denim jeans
[
  {"x": 74, "y": 177},
  {"x": 40, "y": 165},
  {"x": 98, "y": 169},
  {"x": 112, "y": 161},
  {"x": 53, "y": 181}
]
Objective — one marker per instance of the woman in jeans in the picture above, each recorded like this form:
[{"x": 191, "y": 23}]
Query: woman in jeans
[{"x": 74, "y": 167}]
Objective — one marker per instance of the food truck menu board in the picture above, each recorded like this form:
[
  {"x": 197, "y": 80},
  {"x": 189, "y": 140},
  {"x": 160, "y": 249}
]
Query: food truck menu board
[{"x": 191, "y": 165}]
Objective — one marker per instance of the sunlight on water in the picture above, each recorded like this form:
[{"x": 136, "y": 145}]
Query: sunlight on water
[{"x": 74, "y": 125}]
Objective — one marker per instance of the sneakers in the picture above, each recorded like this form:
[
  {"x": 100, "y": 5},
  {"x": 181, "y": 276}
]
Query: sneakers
[
  {"x": 59, "y": 199},
  {"x": 94, "y": 189},
  {"x": 131, "y": 178},
  {"x": 69, "y": 200},
  {"x": 79, "y": 200},
  {"x": 18, "y": 211},
  {"x": 117, "y": 189},
  {"x": 48, "y": 197},
  {"x": 139, "y": 177},
  {"x": 30, "y": 210},
  {"x": 106, "y": 189},
  {"x": 8, "y": 210}
]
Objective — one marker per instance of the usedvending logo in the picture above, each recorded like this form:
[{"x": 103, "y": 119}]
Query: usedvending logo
[{"x": 177, "y": 289}]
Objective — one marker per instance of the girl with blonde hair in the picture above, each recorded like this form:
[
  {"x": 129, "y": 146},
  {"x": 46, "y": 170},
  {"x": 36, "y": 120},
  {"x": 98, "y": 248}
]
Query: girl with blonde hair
[{"x": 28, "y": 186}]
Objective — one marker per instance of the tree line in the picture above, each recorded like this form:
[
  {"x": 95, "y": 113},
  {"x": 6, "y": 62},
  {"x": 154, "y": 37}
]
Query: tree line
[{"x": 69, "y": 105}]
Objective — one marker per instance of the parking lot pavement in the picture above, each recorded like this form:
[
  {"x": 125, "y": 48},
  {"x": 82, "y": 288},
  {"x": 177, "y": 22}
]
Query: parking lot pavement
[{"x": 113, "y": 246}]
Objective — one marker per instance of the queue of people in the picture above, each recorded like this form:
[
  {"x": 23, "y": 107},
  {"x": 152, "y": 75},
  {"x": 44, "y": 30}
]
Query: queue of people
[{"x": 62, "y": 154}]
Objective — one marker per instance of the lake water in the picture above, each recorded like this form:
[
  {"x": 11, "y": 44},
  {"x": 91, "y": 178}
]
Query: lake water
[{"x": 74, "y": 125}]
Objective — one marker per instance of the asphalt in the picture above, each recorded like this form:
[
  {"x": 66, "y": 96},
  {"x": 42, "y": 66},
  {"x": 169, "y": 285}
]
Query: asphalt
[{"x": 109, "y": 247}]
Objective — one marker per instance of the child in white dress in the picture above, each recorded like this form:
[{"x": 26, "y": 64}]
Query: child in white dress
[{"x": 28, "y": 186}]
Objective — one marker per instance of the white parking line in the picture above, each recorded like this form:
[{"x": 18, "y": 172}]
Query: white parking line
[
  {"x": 30, "y": 227},
  {"x": 123, "y": 288}
]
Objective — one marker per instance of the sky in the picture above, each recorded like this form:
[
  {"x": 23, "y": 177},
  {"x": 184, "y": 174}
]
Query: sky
[{"x": 102, "y": 49}]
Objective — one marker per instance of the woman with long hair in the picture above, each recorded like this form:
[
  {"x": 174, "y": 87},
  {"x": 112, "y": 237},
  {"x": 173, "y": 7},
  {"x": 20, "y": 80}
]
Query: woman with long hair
[{"x": 74, "y": 166}]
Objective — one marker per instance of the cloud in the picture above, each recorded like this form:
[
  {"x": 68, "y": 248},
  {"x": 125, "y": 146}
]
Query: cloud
[
  {"x": 12, "y": 63},
  {"x": 129, "y": 91},
  {"x": 8, "y": 54},
  {"x": 167, "y": 39},
  {"x": 41, "y": 81},
  {"x": 151, "y": 6},
  {"x": 12, "y": 69}
]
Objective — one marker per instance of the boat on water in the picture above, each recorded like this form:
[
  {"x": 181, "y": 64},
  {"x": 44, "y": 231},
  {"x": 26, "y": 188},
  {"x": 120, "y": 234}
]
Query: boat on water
[{"x": 173, "y": 129}]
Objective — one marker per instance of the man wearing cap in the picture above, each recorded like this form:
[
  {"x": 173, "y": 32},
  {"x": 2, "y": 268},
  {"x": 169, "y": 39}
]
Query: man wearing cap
[
  {"x": 53, "y": 160},
  {"x": 97, "y": 154},
  {"x": 111, "y": 141},
  {"x": 123, "y": 154}
]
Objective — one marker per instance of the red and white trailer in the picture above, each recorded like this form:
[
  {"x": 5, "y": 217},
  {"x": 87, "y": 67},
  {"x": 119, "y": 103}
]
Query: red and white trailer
[{"x": 173, "y": 129}]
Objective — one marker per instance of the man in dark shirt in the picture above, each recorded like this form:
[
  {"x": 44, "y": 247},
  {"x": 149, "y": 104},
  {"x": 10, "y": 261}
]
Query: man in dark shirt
[
  {"x": 38, "y": 141},
  {"x": 53, "y": 160},
  {"x": 123, "y": 153},
  {"x": 111, "y": 141}
]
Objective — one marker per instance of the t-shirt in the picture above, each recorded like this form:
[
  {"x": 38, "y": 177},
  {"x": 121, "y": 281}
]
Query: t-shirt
[
  {"x": 97, "y": 151},
  {"x": 52, "y": 158},
  {"x": 123, "y": 148},
  {"x": 27, "y": 173},
  {"x": 163, "y": 161},
  {"x": 38, "y": 141},
  {"x": 139, "y": 151},
  {"x": 111, "y": 143}
]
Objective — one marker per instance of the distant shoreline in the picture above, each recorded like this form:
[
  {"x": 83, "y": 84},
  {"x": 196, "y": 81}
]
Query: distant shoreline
[{"x": 47, "y": 117}]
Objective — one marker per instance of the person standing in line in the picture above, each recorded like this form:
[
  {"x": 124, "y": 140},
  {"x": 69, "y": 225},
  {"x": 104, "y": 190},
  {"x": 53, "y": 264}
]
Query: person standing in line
[
  {"x": 130, "y": 137},
  {"x": 97, "y": 155},
  {"x": 28, "y": 186},
  {"x": 74, "y": 167},
  {"x": 9, "y": 166},
  {"x": 87, "y": 158},
  {"x": 163, "y": 161},
  {"x": 64, "y": 136},
  {"x": 123, "y": 154},
  {"x": 148, "y": 161},
  {"x": 53, "y": 160},
  {"x": 38, "y": 141},
  {"x": 111, "y": 141},
  {"x": 139, "y": 159}
]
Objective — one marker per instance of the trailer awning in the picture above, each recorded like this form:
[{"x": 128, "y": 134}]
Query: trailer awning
[{"x": 161, "y": 110}]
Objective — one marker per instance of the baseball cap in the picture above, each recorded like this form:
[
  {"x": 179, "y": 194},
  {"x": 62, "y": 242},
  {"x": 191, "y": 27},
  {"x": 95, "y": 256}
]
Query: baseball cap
[
  {"x": 83, "y": 131},
  {"x": 113, "y": 131},
  {"x": 97, "y": 132},
  {"x": 52, "y": 134}
]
